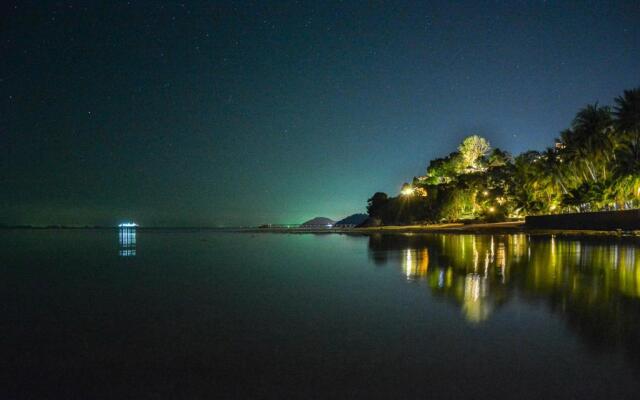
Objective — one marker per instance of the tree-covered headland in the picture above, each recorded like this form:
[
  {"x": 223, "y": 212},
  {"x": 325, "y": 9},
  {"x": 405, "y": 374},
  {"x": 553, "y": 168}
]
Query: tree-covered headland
[{"x": 593, "y": 165}]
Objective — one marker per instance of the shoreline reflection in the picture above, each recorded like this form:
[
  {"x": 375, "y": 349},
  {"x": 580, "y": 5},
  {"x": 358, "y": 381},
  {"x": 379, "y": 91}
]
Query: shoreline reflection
[{"x": 593, "y": 284}]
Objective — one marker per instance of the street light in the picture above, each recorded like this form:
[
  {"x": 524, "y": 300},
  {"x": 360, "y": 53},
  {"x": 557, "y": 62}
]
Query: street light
[{"x": 408, "y": 191}]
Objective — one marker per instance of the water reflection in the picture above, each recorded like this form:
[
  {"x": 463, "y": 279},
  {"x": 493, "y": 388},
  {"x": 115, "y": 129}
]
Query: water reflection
[
  {"x": 594, "y": 284},
  {"x": 127, "y": 241},
  {"x": 415, "y": 263},
  {"x": 476, "y": 308}
]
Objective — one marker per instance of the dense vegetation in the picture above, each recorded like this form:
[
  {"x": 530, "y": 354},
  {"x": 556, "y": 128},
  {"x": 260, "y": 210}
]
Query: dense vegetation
[{"x": 594, "y": 165}]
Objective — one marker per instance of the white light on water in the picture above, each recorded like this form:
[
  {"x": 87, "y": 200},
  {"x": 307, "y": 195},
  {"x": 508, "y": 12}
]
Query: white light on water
[
  {"x": 127, "y": 225},
  {"x": 127, "y": 241}
]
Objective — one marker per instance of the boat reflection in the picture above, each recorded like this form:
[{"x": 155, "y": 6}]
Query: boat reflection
[
  {"x": 593, "y": 283},
  {"x": 127, "y": 241}
]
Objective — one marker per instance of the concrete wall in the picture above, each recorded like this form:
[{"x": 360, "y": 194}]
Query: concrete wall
[{"x": 603, "y": 220}]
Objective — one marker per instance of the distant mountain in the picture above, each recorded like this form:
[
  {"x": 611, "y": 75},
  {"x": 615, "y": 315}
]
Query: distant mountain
[
  {"x": 318, "y": 222},
  {"x": 351, "y": 220}
]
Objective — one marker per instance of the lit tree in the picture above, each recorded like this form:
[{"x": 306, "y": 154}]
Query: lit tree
[
  {"x": 472, "y": 150},
  {"x": 594, "y": 165}
]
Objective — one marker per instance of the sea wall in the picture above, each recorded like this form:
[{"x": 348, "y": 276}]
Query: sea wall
[{"x": 604, "y": 220}]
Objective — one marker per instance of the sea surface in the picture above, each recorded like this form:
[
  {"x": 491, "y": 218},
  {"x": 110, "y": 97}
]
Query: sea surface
[{"x": 92, "y": 314}]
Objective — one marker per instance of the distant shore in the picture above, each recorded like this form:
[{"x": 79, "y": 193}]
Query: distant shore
[
  {"x": 488, "y": 228},
  {"x": 513, "y": 227}
]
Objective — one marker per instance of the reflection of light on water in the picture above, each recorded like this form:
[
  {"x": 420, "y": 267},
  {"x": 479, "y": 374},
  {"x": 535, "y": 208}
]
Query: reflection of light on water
[
  {"x": 629, "y": 258},
  {"x": 493, "y": 247},
  {"x": 472, "y": 287},
  {"x": 483, "y": 273},
  {"x": 408, "y": 263},
  {"x": 475, "y": 307},
  {"x": 127, "y": 241},
  {"x": 501, "y": 256},
  {"x": 501, "y": 260},
  {"x": 476, "y": 255},
  {"x": 486, "y": 265},
  {"x": 415, "y": 263}
]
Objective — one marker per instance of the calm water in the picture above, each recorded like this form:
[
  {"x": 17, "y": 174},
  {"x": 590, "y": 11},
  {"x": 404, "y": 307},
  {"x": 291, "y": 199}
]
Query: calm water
[{"x": 150, "y": 314}]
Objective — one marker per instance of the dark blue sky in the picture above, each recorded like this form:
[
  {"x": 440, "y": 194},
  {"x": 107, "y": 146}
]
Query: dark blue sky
[{"x": 204, "y": 113}]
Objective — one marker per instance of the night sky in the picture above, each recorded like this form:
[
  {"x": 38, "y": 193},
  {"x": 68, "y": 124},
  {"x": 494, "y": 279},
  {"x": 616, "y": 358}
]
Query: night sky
[{"x": 229, "y": 113}]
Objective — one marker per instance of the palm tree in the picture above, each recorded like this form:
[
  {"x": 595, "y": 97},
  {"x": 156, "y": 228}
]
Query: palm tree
[
  {"x": 592, "y": 130},
  {"x": 627, "y": 126},
  {"x": 577, "y": 198},
  {"x": 627, "y": 172},
  {"x": 539, "y": 181},
  {"x": 553, "y": 170},
  {"x": 627, "y": 112}
]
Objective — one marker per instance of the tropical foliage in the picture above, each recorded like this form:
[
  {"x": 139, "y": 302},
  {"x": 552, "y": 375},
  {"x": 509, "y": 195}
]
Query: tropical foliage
[{"x": 593, "y": 165}]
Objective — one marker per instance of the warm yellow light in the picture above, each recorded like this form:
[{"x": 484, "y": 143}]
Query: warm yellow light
[
  {"x": 485, "y": 193},
  {"x": 492, "y": 209},
  {"x": 407, "y": 191},
  {"x": 553, "y": 207},
  {"x": 420, "y": 192}
]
